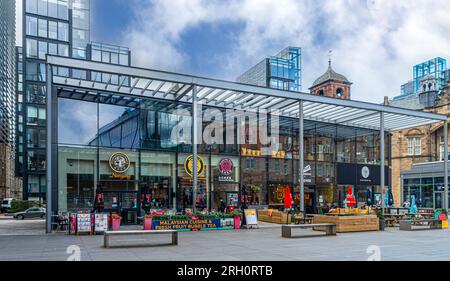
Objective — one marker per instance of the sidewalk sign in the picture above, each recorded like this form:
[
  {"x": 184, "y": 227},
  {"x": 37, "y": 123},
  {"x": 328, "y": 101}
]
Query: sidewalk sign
[{"x": 250, "y": 217}]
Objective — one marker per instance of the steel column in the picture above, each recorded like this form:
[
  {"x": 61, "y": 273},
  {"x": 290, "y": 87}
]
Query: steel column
[
  {"x": 301, "y": 155},
  {"x": 49, "y": 163},
  {"x": 382, "y": 159},
  {"x": 194, "y": 146},
  {"x": 446, "y": 164}
]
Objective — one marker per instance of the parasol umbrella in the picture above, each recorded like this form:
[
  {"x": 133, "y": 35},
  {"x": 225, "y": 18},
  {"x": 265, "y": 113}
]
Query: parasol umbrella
[
  {"x": 369, "y": 196},
  {"x": 287, "y": 198},
  {"x": 391, "y": 198},
  {"x": 413, "y": 208},
  {"x": 99, "y": 202}
]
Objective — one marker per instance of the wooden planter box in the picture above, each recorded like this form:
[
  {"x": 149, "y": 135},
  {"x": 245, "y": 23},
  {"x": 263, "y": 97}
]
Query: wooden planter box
[
  {"x": 349, "y": 223},
  {"x": 274, "y": 217}
]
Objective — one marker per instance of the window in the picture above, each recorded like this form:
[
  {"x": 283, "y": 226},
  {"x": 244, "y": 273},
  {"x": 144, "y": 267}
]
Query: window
[
  {"x": 31, "y": 6},
  {"x": 53, "y": 30},
  {"x": 418, "y": 147},
  {"x": 42, "y": 50},
  {"x": 53, "y": 8},
  {"x": 32, "y": 48},
  {"x": 52, "y": 49},
  {"x": 42, "y": 7},
  {"x": 339, "y": 92},
  {"x": 36, "y": 94},
  {"x": 42, "y": 28},
  {"x": 36, "y": 138},
  {"x": 63, "y": 50},
  {"x": 63, "y": 9},
  {"x": 410, "y": 146},
  {"x": 96, "y": 55},
  {"x": 32, "y": 26},
  {"x": 414, "y": 146},
  {"x": 63, "y": 31}
]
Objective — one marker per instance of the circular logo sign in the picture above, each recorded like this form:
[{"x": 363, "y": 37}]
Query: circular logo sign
[
  {"x": 119, "y": 162},
  {"x": 365, "y": 172},
  {"x": 226, "y": 167},
  {"x": 189, "y": 167}
]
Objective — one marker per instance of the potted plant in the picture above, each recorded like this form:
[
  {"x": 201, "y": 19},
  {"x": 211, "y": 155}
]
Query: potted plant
[
  {"x": 148, "y": 222},
  {"x": 380, "y": 216},
  {"x": 115, "y": 222}
]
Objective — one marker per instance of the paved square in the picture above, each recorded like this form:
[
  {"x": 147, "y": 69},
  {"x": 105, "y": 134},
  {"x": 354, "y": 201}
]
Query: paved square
[{"x": 255, "y": 245}]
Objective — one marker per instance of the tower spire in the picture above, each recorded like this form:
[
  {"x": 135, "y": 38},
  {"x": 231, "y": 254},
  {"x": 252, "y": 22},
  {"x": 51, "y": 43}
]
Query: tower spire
[{"x": 330, "y": 53}]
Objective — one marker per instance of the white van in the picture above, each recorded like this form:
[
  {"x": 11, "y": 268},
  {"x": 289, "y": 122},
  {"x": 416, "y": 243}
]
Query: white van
[{"x": 6, "y": 204}]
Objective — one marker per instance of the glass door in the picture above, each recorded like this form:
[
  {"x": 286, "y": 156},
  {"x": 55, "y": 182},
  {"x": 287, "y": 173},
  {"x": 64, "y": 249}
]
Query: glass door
[{"x": 438, "y": 200}]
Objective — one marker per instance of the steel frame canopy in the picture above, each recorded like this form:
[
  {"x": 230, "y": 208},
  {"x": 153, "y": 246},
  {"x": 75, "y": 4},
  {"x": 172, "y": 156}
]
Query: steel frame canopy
[
  {"x": 179, "y": 87},
  {"x": 166, "y": 86}
]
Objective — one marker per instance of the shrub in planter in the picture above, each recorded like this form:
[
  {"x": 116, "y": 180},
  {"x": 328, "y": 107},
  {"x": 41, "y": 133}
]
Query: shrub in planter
[{"x": 21, "y": 205}]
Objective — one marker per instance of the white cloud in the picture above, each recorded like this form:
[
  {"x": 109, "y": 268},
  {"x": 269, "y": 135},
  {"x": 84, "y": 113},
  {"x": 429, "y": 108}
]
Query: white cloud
[
  {"x": 18, "y": 22},
  {"x": 374, "y": 42}
]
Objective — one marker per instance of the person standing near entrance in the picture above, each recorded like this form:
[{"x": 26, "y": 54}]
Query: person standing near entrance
[{"x": 99, "y": 203}]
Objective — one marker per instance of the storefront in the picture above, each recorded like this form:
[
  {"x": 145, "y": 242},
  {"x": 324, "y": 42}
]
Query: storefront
[
  {"x": 424, "y": 182},
  {"x": 128, "y": 139}
]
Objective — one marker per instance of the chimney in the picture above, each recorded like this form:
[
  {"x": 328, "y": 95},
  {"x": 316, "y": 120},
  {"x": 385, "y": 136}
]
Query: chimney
[{"x": 386, "y": 100}]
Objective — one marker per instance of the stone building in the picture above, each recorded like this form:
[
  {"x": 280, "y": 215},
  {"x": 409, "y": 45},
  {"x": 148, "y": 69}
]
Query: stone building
[{"x": 422, "y": 143}]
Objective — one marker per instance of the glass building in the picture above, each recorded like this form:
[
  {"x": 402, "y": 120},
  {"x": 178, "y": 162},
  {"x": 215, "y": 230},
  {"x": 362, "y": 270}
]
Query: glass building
[
  {"x": 61, "y": 28},
  {"x": 7, "y": 96},
  {"x": 282, "y": 71},
  {"x": 136, "y": 138},
  {"x": 7, "y": 71}
]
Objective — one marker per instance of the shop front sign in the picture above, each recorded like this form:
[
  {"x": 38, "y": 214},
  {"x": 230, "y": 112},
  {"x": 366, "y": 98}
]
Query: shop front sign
[
  {"x": 192, "y": 224},
  {"x": 250, "y": 152},
  {"x": 360, "y": 174},
  {"x": 189, "y": 167},
  {"x": 226, "y": 170},
  {"x": 119, "y": 162}
]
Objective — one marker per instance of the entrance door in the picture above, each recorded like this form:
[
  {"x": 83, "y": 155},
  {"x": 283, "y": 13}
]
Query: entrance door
[
  {"x": 122, "y": 197},
  {"x": 438, "y": 200}
]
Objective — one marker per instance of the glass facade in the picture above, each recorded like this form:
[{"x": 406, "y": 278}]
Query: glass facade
[
  {"x": 60, "y": 28},
  {"x": 435, "y": 68},
  {"x": 424, "y": 182},
  {"x": 7, "y": 71},
  {"x": 282, "y": 71},
  {"x": 141, "y": 129}
]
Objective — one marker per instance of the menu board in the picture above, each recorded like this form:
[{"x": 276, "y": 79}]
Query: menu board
[
  {"x": 250, "y": 217},
  {"x": 83, "y": 223},
  {"x": 101, "y": 222}
]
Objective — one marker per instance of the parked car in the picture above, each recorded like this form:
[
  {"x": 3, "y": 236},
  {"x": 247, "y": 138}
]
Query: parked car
[
  {"x": 30, "y": 213},
  {"x": 6, "y": 204}
]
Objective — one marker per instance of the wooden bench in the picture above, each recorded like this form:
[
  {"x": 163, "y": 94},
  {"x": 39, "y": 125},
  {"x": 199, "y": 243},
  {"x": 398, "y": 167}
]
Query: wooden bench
[
  {"x": 108, "y": 234},
  {"x": 408, "y": 225},
  {"x": 286, "y": 230}
]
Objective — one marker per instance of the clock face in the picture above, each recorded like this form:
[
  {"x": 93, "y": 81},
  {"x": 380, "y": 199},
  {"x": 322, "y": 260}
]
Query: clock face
[{"x": 119, "y": 162}]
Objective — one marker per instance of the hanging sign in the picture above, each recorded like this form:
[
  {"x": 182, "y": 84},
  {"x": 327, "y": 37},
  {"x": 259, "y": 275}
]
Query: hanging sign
[
  {"x": 119, "y": 162},
  {"x": 189, "y": 167}
]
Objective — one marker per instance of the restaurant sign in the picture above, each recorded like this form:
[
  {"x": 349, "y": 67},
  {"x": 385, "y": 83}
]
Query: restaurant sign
[
  {"x": 119, "y": 162},
  {"x": 226, "y": 170},
  {"x": 189, "y": 167},
  {"x": 192, "y": 225}
]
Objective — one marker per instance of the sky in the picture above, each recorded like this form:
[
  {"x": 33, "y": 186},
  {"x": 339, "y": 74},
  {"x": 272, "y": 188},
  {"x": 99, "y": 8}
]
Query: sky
[{"x": 374, "y": 43}]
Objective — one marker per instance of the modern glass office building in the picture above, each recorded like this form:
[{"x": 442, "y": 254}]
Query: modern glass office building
[
  {"x": 7, "y": 93},
  {"x": 282, "y": 71},
  {"x": 62, "y": 28},
  {"x": 7, "y": 70},
  {"x": 127, "y": 137}
]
